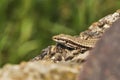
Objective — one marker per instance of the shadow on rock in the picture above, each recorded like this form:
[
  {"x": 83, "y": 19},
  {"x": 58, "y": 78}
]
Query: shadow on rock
[{"x": 104, "y": 61}]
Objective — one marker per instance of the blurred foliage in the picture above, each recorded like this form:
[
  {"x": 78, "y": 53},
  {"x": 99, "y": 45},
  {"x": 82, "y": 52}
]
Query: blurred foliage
[{"x": 26, "y": 26}]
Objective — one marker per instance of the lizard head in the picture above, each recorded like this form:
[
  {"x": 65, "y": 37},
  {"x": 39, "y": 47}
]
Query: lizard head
[
  {"x": 61, "y": 38},
  {"x": 65, "y": 40}
]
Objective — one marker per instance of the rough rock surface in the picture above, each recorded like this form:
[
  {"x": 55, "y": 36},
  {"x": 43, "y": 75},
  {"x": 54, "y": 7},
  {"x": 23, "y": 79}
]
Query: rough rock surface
[
  {"x": 104, "y": 61},
  {"x": 40, "y": 70}
]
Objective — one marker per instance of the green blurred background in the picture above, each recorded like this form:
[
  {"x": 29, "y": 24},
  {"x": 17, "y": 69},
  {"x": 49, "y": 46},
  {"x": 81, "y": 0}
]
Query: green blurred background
[{"x": 26, "y": 26}]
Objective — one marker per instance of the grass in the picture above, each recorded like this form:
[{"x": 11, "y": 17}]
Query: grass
[{"x": 26, "y": 27}]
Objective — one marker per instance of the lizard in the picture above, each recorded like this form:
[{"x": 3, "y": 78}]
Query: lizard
[
  {"x": 69, "y": 47},
  {"x": 74, "y": 41}
]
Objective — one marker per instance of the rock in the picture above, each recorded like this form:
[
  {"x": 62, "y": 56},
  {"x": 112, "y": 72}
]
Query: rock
[
  {"x": 40, "y": 70},
  {"x": 104, "y": 61}
]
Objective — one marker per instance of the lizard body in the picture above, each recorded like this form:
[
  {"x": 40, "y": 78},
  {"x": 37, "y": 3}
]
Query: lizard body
[{"x": 73, "y": 41}]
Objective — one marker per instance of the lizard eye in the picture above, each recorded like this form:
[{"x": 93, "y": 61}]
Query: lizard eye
[{"x": 66, "y": 41}]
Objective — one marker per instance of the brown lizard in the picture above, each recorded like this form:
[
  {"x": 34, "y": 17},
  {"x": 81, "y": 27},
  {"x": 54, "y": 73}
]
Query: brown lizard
[{"x": 73, "y": 41}]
